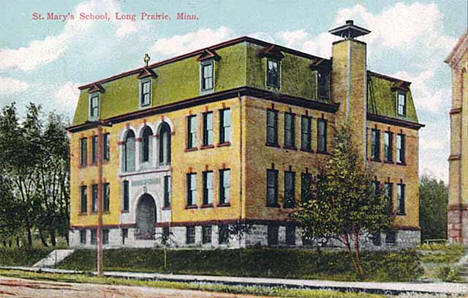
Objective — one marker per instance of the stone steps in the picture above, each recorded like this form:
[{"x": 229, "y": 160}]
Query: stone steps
[{"x": 54, "y": 258}]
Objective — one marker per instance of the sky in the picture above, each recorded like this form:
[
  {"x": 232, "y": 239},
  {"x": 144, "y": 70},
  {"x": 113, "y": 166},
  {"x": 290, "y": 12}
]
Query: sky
[{"x": 45, "y": 60}]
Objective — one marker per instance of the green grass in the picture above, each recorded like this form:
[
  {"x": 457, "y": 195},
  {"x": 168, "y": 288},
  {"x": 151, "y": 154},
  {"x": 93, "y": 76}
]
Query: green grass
[
  {"x": 304, "y": 264},
  {"x": 276, "y": 291},
  {"x": 441, "y": 253},
  {"x": 22, "y": 256}
]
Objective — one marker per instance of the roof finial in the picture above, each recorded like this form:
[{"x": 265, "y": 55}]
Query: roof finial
[{"x": 146, "y": 59}]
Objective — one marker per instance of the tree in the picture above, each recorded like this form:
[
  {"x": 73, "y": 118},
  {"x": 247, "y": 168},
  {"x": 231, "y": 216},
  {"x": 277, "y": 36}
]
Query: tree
[
  {"x": 433, "y": 198},
  {"x": 344, "y": 203}
]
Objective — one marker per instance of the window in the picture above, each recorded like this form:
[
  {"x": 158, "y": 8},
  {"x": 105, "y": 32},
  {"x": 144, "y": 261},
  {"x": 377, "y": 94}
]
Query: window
[
  {"x": 307, "y": 241},
  {"x": 388, "y": 192},
  {"x": 191, "y": 189},
  {"x": 376, "y": 187},
  {"x": 105, "y": 236},
  {"x": 83, "y": 236},
  {"x": 208, "y": 129},
  {"x": 290, "y": 234},
  {"x": 390, "y": 237},
  {"x": 401, "y": 99},
  {"x": 167, "y": 191},
  {"x": 126, "y": 196},
  {"x": 145, "y": 92},
  {"x": 224, "y": 186},
  {"x": 94, "y": 198},
  {"x": 375, "y": 145},
  {"x": 94, "y": 147},
  {"x": 224, "y": 126},
  {"x": 165, "y": 235},
  {"x": 93, "y": 236},
  {"x": 272, "y": 235},
  {"x": 124, "y": 235},
  {"x": 192, "y": 131},
  {"x": 207, "y": 188},
  {"x": 106, "y": 146},
  {"x": 272, "y": 127},
  {"x": 306, "y": 133},
  {"x": 165, "y": 144},
  {"x": 272, "y": 188},
  {"x": 376, "y": 239},
  {"x": 306, "y": 184},
  {"x": 146, "y": 142},
  {"x": 401, "y": 199},
  {"x": 273, "y": 74},
  {"x": 83, "y": 151},
  {"x": 207, "y": 75},
  {"x": 190, "y": 235},
  {"x": 289, "y": 179},
  {"x": 94, "y": 106},
  {"x": 400, "y": 148},
  {"x": 106, "y": 196},
  {"x": 321, "y": 135},
  {"x": 388, "y": 146},
  {"x": 129, "y": 152},
  {"x": 289, "y": 128},
  {"x": 84, "y": 199},
  {"x": 206, "y": 234},
  {"x": 223, "y": 235}
]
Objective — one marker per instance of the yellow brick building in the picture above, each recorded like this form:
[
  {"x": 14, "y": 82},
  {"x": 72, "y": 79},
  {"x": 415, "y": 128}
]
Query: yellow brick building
[
  {"x": 232, "y": 134},
  {"x": 458, "y": 167}
]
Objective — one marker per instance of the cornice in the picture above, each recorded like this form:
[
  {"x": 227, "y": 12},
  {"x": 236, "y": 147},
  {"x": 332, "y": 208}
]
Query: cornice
[{"x": 457, "y": 53}]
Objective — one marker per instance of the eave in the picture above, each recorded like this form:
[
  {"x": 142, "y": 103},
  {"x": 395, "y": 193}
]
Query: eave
[{"x": 394, "y": 121}]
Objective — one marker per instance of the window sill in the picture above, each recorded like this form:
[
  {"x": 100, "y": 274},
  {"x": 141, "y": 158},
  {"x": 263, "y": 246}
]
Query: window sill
[
  {"x": 401, "y": 214},
  {"x": 401, "y": 163},
  {"x": 272, "y": 145},
  {"x": 290, "y": 148},
  {"x": 191, "y": 207},
  {"x": 225, "y": 144},
  {"x": 124, "y": 211},
  {"x": 105, "y": 212},
  {"x": 191, "y": 149},
  {"x": 224, "y": 205},
  {"x": 207, "y": 205},
  {"x": 82, "y": 166},
  {"x": 307, "y": 150},
  {"x": 323, "y": 152},
  {"x": 206, "y": 147},
  {"x": 82, "y": 213},
  {"x": 375, "y": 159},
  {"x": 273, "y": 206},
  {"x": 166, "y": 208},
  {"x": 389, "y": 162}
]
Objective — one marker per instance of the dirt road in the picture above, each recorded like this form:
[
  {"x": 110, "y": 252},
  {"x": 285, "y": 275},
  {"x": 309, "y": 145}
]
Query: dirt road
[{"x": 11, "y": 287}]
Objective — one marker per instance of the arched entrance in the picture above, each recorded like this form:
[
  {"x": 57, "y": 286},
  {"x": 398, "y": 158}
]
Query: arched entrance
[{"x": 145, "y": 217}]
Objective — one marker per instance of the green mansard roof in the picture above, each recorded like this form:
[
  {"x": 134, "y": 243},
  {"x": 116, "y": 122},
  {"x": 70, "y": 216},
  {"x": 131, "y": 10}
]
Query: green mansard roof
[{"x": 238, "y": 67}]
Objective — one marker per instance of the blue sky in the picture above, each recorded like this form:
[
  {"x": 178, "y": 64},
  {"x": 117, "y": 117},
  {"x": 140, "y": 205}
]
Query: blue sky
[{"x": 44, "y": 61}]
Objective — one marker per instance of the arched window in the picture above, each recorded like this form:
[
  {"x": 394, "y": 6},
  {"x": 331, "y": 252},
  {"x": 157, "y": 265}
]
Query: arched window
[
  {"x": 164, "y": 144},
  {"x": 129, "y": 152},
  {"x": 146, "y": 141}
]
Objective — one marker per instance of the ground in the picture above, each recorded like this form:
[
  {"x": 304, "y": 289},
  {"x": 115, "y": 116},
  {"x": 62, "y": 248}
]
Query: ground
[{"x": 36, "y": 288}]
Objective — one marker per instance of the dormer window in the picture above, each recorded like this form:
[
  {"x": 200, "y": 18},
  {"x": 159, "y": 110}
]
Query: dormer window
[
  {"x": 273, "y": 74},
  {"x": 401, "y": 103},
  {"x": 207, "y": 75},
  {"x": 94, "y": 106},
  {"x": 145, "y": 92}
]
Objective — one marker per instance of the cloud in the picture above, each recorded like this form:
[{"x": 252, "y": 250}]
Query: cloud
[
  {"x": 49, "y": 49},
  {"x": 11, "y": 86},
  {"x": 319, "y": 45},
  {"x": 179, "y": 44},
  {"x": 67, "y": 95}
]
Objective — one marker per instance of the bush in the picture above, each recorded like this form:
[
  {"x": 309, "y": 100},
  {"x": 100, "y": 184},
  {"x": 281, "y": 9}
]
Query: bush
[
  {"x": 285, "y": 263},
  {"x": 449, "y": 274},
  {"x": 22, "y": 256},
  {"x": 441, "y": 253}
]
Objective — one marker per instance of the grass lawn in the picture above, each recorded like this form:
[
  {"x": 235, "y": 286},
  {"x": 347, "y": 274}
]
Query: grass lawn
[
  {"x": 22, "y": 256},
  {"x": 440, "y": 261},
  {"x": 262, "y": 262},
  {"x": 279, "y": 292}
]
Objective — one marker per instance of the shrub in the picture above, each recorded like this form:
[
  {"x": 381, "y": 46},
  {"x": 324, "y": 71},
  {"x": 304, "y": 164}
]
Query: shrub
[
  {"x": 449, "y": 274},
  {"x": 22, "y": 256}
]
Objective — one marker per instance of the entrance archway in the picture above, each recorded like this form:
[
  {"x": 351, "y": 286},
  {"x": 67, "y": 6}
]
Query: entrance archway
[{"x": 145, "y": 217}]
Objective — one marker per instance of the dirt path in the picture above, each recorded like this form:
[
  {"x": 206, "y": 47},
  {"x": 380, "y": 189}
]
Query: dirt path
[{"x": 11, "y": 287}]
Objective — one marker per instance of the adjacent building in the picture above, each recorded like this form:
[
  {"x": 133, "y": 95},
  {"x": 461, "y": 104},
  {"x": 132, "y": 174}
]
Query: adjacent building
[
  {"x": 232, "y": 134},
  {"x": 458, "y": 160}
]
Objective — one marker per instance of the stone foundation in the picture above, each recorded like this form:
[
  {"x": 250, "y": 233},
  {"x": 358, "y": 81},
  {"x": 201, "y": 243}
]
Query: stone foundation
[{"x": 259, "y": 235}]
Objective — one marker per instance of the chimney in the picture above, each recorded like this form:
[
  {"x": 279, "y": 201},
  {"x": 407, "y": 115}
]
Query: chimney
[{"x": 349, "y": 81}]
